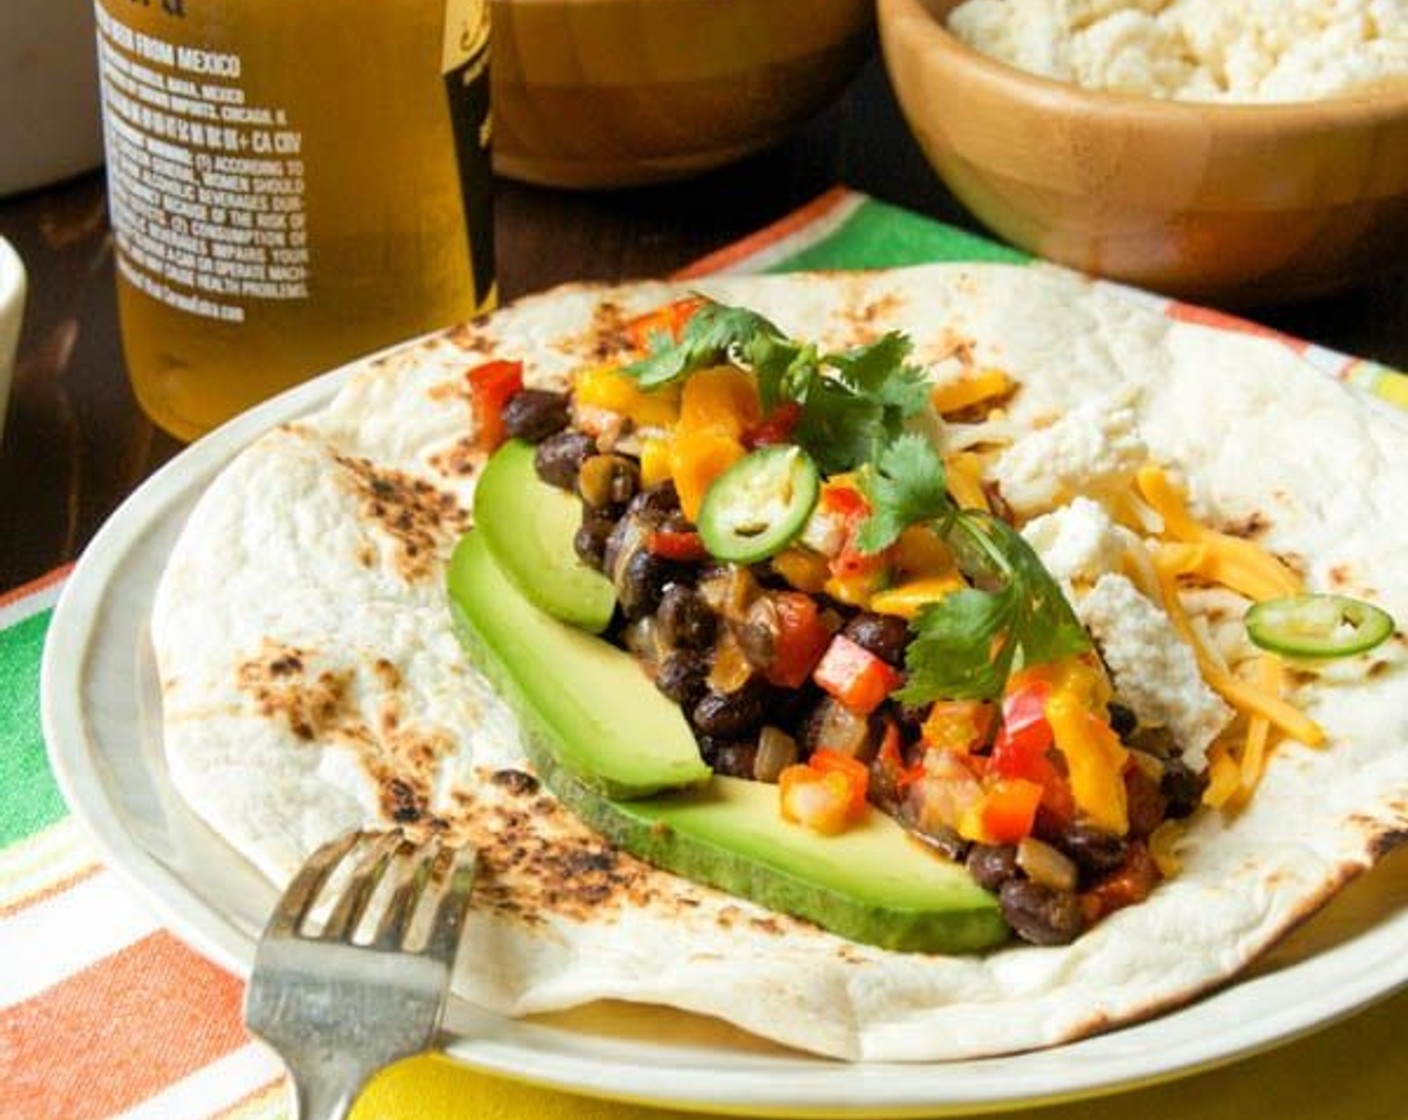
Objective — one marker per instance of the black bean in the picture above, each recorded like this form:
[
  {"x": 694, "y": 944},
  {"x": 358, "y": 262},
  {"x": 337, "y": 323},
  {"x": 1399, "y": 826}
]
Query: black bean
[
  {"x": 1147, "y": 804},
  {"x": 535, "y": 414},
  {"x": 992, "y": 865},
  {"x": 685, "y": 621},
  {"x": 682, "y": 677},
  {"x": 1122, "y": 721},
  {"x": 559, "y": 457},
  {"x": 731, "y": 714},
  {"x": 884, "y": 635},
  {"x": 1094, "y": 850},
  {"x": 944, "y": 840},
  {"x": 1182, "y": 787},
  {"x": 661, "y": 498},
  {"x": 589, "y": 542},
  {"x": 641, "y": 583},
  {"x": 1040, "y": 914}
]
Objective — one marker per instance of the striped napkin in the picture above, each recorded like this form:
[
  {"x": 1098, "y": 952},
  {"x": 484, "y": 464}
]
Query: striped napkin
[{"x": 104, "y": 1014}]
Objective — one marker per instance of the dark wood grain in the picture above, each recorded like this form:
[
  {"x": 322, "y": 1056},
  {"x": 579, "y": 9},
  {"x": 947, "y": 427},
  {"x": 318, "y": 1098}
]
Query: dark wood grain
[{"x": 76, "y": 444}]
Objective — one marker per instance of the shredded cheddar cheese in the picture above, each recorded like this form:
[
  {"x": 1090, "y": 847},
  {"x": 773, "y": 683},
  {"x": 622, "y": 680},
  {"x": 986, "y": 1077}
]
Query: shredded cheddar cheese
[
  {"x": 1233, "y": 689},
  {"x": 1236, "y": 563},
  {"x": 970, "y": 389}
]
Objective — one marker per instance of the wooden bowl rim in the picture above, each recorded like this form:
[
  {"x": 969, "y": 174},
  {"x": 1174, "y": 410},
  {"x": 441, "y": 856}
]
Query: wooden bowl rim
[{"x": 1354, "y": 111}]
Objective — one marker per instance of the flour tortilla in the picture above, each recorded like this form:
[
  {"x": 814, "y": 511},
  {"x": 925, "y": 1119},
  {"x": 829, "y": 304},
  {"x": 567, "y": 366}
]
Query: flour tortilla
[{"x": 312, "y": 682}]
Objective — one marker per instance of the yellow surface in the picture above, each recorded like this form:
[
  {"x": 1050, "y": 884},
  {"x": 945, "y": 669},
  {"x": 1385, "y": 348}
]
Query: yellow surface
[{"x": 1351, "y": 1071}]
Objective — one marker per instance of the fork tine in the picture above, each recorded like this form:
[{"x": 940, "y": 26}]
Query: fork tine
[
  {"x": 396, "y": 920},
  {"x": 352, "y": 905},
  {"x": 298, "y": 898},
  {"x": 444, "y": 937}
]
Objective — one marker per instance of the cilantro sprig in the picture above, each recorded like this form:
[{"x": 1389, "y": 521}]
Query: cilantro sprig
[
  {"x": 854, "y": 402},
  {"x": 966, "y": 644}
]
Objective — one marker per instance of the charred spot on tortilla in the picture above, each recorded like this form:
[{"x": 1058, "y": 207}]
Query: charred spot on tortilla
[
  {"x": 1253, "y": 525},
  {"x": 420, "y": 519},
  {"x": 275, "y": 679},
  {"x": 515, "y": 781},
  {"x": 607, "y": 336},
  {"x": 402, "y": 802},
  {"x": 538, "y": 862},
  {"x": 462, "y": 459}
]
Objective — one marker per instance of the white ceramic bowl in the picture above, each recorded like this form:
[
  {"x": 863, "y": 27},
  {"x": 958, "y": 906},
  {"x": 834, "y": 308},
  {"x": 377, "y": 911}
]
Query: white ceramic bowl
[{"x": 49, "y": 117}]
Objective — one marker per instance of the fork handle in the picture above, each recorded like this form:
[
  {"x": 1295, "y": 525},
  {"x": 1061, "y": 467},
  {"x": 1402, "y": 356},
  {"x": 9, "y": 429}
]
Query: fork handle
[{"x": 320, "y": 1101}]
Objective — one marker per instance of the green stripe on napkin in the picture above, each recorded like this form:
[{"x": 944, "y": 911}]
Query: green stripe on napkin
[
  {"x": 31, "y": 799},
  {"x": 878, "y": 235}
]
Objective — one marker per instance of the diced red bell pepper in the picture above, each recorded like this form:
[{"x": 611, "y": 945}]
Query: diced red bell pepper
[
  {"x": 802, "y": 638},
  {"x": 1008, "y": 810},
  {"x": 491, "y": 386},
  {"x": 855, "y": 676},
  {"x": 1019, "y": 751},
  {"x": 846, "y": 502},
  {"x": 776, "y": 427},
  {"x": 676, "y": 544},
  {"x": 668, "y": 320}
]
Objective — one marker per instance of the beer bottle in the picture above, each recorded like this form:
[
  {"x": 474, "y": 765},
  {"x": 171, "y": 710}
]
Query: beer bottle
[{"x": 291, "y": 184}]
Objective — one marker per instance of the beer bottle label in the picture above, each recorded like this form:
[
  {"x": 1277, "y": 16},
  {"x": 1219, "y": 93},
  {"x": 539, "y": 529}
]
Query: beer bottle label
[
  {"x": 465, "y": 67},
  {"x": 206, "y": 187}
]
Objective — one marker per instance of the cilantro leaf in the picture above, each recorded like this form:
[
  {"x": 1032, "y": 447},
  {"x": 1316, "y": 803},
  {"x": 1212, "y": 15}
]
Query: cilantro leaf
[
  {"x": 712, "y": 336},
  {"x": 878, "y": 370},
  {"x": 966, "y": 644},
  {"x": 905, "y": 485},
  {"x": 958, "y": 652}
]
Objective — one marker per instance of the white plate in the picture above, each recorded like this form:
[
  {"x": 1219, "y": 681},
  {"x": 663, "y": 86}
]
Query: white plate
[{"x": 101, "y": 720}]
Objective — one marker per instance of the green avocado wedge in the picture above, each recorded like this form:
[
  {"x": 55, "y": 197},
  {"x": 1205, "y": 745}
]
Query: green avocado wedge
[
  {"x": 604, "y": 739},
  {"x": 529, "y": 526},
  {"x": 588, "y": 705}
]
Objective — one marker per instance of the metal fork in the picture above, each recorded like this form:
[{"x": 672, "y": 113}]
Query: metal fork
[{"x": 338, "y": 1008}]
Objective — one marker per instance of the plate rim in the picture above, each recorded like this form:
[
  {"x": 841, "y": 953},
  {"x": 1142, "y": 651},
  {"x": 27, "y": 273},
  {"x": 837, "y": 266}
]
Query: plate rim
[{"x": 825, "y": 1088}]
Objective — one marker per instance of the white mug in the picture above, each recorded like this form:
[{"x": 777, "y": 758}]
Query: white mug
[{"x": 12, "y": 290}]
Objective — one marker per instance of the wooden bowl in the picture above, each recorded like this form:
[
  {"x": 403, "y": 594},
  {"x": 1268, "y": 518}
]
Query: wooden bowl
[
  {"x": 1236, "y": 204},
  {"x": 613, "y": 93}
]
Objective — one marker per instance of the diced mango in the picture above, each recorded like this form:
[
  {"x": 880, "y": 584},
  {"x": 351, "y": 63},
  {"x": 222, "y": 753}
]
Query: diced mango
[
  {"x": 965, "y": 480},
  {"x": 697, "y": 458},
  {"x": 907, "y": 599},
  {"x": 722, "y": 400},
  {"x": 1095, "y": 761},
  {"x": 606, "y": 387},
  {"x": 802, "y": 568},
  {"x": 654, "y": 462},
  {"x": 921, "y": 552}
]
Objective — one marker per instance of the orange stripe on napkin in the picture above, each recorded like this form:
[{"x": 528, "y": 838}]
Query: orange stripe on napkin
[
  {"x": 1207, "y": 317},
  {"x": 140, "y": 1020},
  {"x": 768, "y": 235},
  {"x": 35, "y": 585}
]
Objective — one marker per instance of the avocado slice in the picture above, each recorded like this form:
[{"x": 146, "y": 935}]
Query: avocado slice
[
  {"x": 603, "y": 737},
  {"x": 607, "y": 725},
  {"x": 529, "y": 527}
]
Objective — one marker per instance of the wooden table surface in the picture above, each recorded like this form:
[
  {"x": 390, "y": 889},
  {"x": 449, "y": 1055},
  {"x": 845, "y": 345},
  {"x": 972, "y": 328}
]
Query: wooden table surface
[{"x": 75, "y": 443}]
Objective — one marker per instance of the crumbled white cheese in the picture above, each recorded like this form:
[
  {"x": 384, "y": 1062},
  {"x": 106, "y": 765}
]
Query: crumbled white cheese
[
  {"x": 1094, "y": 448},
  {"x": 1079, "y": 543},
  {"x": 1197, "y": 50},
  {"x": 1154, "y": 670}
]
